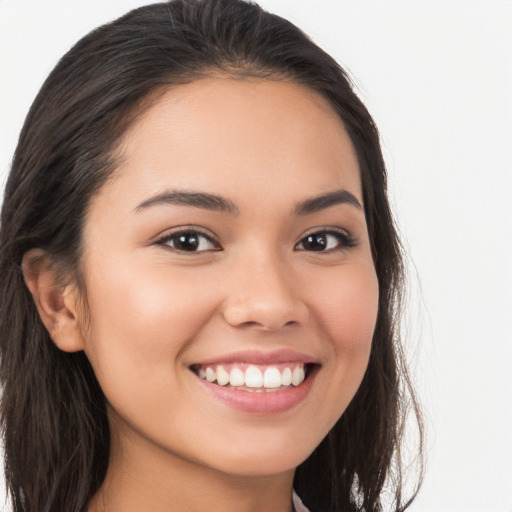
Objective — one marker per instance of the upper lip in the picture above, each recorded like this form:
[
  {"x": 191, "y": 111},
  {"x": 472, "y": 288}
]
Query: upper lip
[{"x": 260, "y": 357}]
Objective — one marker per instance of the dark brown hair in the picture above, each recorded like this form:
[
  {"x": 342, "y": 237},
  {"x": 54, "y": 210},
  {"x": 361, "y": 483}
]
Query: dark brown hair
[{"x": 53, "y": 412}]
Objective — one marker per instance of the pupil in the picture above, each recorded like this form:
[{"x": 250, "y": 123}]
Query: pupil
[
  {"x": 316, "y": 242},
  {"x": 187, "y": 242}
]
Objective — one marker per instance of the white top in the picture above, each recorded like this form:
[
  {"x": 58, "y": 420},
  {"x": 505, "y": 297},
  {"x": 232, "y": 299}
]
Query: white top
[{"x": 297, "y": 504}]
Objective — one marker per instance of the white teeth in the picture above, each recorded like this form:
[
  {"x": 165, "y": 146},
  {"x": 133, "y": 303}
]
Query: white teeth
[
  {"x": 210, "y": 375},
  {"x": 236, "y": 377},
  {"x": 298, "y": 375},
  {"x": 286, "y": 377},
  {"x": 253, "y": 377},
  {"x": 272, "y": 378},
  {"x": 222, "y": 376}
]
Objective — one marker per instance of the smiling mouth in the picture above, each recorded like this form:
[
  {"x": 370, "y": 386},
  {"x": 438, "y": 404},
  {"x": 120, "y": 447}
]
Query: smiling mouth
[{"x": 255, "y": 378}]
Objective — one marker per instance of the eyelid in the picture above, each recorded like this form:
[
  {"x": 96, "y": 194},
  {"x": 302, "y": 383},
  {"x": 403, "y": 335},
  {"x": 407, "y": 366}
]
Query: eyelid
[
  {"x": 163, "y": 238},
  {"x": 350, "y": 240}
]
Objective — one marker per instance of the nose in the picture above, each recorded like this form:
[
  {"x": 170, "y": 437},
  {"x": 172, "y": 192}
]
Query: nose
[{"x": 262, "y": 294}]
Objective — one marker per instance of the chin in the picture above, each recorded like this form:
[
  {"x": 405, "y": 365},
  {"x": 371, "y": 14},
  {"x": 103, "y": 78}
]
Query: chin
[{"x": 268, "y": 455}]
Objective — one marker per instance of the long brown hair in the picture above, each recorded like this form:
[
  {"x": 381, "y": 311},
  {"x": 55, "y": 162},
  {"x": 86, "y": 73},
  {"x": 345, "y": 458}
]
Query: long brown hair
[{"x": 53, "y": 412}]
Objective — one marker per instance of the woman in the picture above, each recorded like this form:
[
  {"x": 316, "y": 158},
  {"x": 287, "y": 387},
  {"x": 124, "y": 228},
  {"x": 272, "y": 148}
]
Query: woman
[{"x": 200, "y": 276}]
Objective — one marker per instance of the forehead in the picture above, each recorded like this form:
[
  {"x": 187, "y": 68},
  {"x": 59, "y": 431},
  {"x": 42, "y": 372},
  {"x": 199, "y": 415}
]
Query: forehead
[{"x": 223, "y": 130}]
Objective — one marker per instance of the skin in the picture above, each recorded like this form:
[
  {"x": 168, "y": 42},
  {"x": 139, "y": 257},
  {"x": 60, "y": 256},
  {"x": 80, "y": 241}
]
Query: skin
[{"x": 153, "y": 310}]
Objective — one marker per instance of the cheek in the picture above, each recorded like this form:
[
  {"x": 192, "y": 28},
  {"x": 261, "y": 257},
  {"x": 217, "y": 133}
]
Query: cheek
[
  {"x": 347, "y": 313},
  {"x": 344, "y": 305},
  {"x": 348, "y": 310},
  {"x": 143, "y": 315}
]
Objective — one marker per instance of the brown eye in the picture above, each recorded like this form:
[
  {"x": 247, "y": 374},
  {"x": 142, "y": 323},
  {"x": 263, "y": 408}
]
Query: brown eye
[
  {"x": 189, "y": 241},
  {"x": 316, "y": 242},
  {"x": 325, "y": 241}
]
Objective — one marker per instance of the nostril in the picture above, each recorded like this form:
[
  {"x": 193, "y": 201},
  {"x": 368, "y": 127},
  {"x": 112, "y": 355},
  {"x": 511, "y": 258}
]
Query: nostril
[{"x": 249, "y": 324}]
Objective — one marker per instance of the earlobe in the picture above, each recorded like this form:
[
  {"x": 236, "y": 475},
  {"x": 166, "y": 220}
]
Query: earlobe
[{"x": 56, "y": 302}]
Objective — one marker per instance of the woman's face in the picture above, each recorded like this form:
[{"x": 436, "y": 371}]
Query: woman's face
[{"x": 231, "y": 289}]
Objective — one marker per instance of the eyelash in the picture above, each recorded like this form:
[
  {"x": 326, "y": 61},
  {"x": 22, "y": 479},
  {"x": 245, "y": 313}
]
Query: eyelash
[
  {"x": 168, "y": 238},
  {"x": 344, "y": 240}
]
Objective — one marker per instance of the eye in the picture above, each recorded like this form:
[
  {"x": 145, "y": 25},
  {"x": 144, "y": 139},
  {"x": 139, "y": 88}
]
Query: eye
[
  {"x": 189, "y": 241},
  {"x": 326, "y": 241}
]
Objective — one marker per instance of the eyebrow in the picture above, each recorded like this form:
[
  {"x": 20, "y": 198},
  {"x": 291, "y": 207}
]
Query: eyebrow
[
  {"x": 317, "y": 203},
  {"x": 217, "y": 203},
  {"x": 195, "y": 199}
]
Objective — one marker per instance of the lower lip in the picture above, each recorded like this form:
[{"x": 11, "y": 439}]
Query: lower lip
[{"x": 266, "y": 402}]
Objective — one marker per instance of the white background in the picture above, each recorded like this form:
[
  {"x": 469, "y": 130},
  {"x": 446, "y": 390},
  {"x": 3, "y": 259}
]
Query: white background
[{"x": 437, "y": 76}]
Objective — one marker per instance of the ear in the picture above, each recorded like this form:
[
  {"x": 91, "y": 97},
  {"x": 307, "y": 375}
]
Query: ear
[{"x": 57, "y": 303}]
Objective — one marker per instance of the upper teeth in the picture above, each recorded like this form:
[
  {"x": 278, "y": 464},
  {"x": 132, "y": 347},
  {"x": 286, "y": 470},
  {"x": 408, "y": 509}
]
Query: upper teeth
[{"x": 269, "y": 377}]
